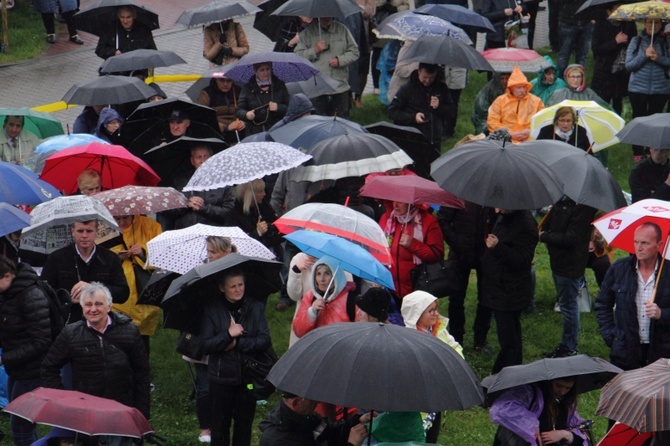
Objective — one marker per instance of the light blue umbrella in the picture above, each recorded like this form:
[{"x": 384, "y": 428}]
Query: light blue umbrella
[
  {"x": 349, "y": 256},
  {"x": 49, "y": 146},
  {"x": 12, "y": 219}
]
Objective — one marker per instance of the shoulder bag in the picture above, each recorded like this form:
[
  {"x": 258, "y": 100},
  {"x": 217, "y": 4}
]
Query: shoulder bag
[{"x": 439, "y": 278}]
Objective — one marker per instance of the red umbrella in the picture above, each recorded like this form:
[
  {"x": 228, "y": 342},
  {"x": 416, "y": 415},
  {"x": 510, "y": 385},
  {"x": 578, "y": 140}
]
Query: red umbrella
[
  {"x": 79, "y": 412},
  {"x": 503, "y": 60},
  {"x": 117, "y": 166},
  {"x": 622, "y": 435},
  {"x": 410, "y": 189}
]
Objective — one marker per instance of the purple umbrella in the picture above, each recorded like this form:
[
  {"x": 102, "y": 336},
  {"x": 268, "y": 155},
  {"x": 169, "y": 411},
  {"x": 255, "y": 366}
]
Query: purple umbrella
[{"x": 288, "y": 67}]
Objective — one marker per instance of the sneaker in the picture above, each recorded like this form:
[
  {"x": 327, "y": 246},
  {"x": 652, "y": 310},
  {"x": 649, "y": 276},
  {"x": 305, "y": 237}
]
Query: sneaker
[
  {"x": 51, "y": 38},
  {"x": 76, "y": 39},
  {"x": 559, "y": 352},
  {"x": 205, "y": 438},
  {"x": 557, "y": 308}
]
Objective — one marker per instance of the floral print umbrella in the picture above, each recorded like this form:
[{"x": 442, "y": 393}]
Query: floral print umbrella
[{"x": 136, "y": 200}]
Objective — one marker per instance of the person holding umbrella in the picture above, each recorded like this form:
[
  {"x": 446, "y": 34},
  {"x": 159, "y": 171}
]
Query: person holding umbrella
[
  {"x": 263, "y": 100},
  {"x": 125, "y": 34},
  {"x": 565, "y": 128},
  {"x": 16, "y": 144},
  {"x": 224, "y": 42},
  {"x": 650, "y": 178},
  {"x": 222, "y": 94}
]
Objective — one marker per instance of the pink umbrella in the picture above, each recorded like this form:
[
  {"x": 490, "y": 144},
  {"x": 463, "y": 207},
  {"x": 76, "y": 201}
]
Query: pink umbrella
[
  {"x": 503, "y": 60},
  {"x": 117, "y": 166},
  {"x": 410, "y": 189}
]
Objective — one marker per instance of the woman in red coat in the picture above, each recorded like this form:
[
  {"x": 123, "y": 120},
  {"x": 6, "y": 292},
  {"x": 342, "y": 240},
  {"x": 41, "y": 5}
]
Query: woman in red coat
[{"x": 415, "y": 237}]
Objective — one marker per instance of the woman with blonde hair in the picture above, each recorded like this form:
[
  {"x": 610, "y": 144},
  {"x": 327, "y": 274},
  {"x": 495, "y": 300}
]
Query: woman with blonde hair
[{"x": 565, "y": 128}]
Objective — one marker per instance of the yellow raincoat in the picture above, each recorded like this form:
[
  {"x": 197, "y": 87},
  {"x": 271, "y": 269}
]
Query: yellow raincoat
[
  {"x": 140, "y": 232},
  {"x": 512, "y": 113}
]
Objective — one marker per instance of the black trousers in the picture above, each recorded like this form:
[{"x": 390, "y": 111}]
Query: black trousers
[
  {"x": 50, "y": 25},
  {"x": 482, "y": 322},
  {"x": 231, "y": 404},
  {"x": 508, "y": 325}
]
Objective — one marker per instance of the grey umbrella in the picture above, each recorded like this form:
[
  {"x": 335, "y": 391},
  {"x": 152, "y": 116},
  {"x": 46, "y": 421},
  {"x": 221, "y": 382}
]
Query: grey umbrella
[
  {"x": 445, "y": 50},
  {"x": 306, "y": 132},
  {"x": 377, "y": 366},
  {"x": 217, "y": 11},
  {"x": 458, "y": 15},
  {"x": 140, "y": 60},
  {"x": 102, "y": 15},
  {"x": 650, "y": 131},
  {"x": 108, "y": 90},
  {"x": 319, "y": 8},
  {"x": 316, "y": 86},
  {"x": 495, "y": 175}
]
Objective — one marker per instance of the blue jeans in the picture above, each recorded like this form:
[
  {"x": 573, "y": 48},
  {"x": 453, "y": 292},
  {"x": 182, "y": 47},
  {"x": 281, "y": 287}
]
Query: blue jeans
[
  {"x": 568, "y": 291},
  {"x": 577, "y": 39},
  {"x": 23, "y": 431}
]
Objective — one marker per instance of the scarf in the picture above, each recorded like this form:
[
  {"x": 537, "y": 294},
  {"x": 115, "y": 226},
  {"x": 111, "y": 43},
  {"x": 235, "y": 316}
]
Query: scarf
[
  {"x": 565, "y": 136},
  {"x": 262, "y": 83},
  {"x": 413, "y": 220}
]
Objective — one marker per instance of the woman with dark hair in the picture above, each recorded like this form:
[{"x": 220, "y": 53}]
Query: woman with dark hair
[
  {"x": 222, "y": 95},
  {"x": 233, "y": 324},
  {"x": 263, "y": 100},
  {"x": 539, "y": 413},
  {"x": 566, "y": 129}
]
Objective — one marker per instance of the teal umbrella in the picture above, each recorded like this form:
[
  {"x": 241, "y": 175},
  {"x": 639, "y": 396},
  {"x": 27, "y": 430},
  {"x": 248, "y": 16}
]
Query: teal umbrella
[{"x": 39, "y": 124}]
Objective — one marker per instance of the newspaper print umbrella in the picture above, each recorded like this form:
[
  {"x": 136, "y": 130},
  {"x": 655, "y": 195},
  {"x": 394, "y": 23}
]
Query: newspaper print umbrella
[
  {"x": 288, "y": 67},
  {"x": 408, "y": 25},
  {"x": 141, "y": 200},
  {"x": 183, "y": 249},
  {"x": 503, "y": 60},
  {"x": 49, "y": 222},
  {"x": 243, "y": 163},
  {"x": 214, "y": 12}
]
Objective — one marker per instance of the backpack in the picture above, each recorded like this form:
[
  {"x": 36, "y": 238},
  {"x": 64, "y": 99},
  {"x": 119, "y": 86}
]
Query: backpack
[{"x": 59, "y": 306}]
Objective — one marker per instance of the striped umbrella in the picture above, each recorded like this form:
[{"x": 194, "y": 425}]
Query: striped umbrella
[{"x": 639, "y": 398}]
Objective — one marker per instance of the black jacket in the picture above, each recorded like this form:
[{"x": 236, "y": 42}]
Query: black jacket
[
  {"x": 619, "y": 326},
  {"x": 567, "y": 232},
  {"x": 112, "y": 365},
  {"x": 25, "y": 328},
  {"x": 605, "y": 51},
  {"x": 578, "y": 134},
  {"x": 414, "y": 97},
  {"x": 464, "y": 230},
  {"x": 494, "y": 10},
  {"x": 506, "y": 279},
  {"x": 225, "y": 366},
  {"x": 647, "y": 180},
  {"x": 138, "y": 38},
  {"x": 64, "y": 268},
  {"x": 284, "y": 427},
  {"x": 236, "y": 217},
  {"x": 253, "y": 97}
]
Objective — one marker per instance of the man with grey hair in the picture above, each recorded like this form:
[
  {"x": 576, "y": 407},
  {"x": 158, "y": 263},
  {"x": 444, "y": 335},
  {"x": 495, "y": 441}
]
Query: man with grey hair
[{"x": 106, "y": 351}]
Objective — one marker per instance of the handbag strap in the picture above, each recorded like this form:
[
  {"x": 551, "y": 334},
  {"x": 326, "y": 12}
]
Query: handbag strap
[{"x": 440, "y": 260}]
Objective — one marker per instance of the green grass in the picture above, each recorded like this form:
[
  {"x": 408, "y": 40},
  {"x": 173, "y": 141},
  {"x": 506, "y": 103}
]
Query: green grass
[{"x": 26, "y": 33}]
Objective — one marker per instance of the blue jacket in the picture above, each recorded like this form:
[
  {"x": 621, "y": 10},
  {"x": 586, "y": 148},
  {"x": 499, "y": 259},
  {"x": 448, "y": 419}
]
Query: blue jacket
[
  {"x": 619, "y": 326},
  {"x": 648, "y": 77}
]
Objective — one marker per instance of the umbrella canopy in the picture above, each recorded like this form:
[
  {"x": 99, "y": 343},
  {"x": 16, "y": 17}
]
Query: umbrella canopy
[
  {"x": 212, "y": 73},
  {"x": 116, "y": 165},
  {"x": 316, "y": 86},
  {"x": 48, "y": 147},
  {"x": 424, "y": 373},
  {"x": 305, "y": 132},
  {"x": 503, "y": 60},
  {"x": 622, "y": 435},
  {"x": 39, "y": 124},
  {"x": 21, "y": 186},
  {"x": 12, "y": 219},
  {"x": 243, "y": 163},
  {"x": 412, "y": 141},
  {"x": 601, "y": 124},
  {"x": 639, "y": 398},
  {"x": 172, "y": 158},
  {"x": 491, "y": 174},
  {"x": 314, "y": 8},
  {"x": 350, "y": 257},
  {"x": 592, "y": 373},
  {"x": 141, "y": 200},
  {"x": 338, "y": 220},
  {"x": 49, "y": 222},
  {"x": 444, "y": 50},
  {"x": 141, "y": 59},
  {"x": 618, "y": 227},
  {"x": 216, "y": 11},
  {"x": 98, "y": 17},
  {"x": 79, "y": 412},
  {"x": 351, "y": 155},
  {"x": 183, "y": 301},
  {"x": 649, "y": 131},
  {"x": 407, "y": 25},
  {"x": 641, "y": 11},
  {"x": 108, "y": 89},
  {"x": 288, "y": 67},
  {"x": 458, "y": 15},
  {"x": 184, "y": 249},
  {"x": 410, "y": 189}
]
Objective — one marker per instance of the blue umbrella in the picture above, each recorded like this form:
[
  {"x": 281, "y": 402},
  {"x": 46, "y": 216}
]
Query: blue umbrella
[
  {"x": 288, "y": 67},
  {"x": 12, "y": 219},
  {"x": 306, "y": 132},
  {"x": 458, "y": 15},
  {"x": 350, "y": 256},
  {"x": 49, "y": 146},
  {"x": 21, "y": 186},
  {"x": 407, "y": 25}
]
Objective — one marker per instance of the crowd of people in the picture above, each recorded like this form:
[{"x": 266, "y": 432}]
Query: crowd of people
[{"x": 104, "y": 347}]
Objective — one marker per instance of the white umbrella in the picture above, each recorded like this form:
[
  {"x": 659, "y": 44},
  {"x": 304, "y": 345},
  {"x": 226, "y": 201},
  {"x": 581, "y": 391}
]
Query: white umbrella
[{"x": 184, "y": 249}]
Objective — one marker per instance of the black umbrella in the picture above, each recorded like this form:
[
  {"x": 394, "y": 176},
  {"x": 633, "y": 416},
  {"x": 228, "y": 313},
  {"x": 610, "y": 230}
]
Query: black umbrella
[
  {"x": 649, "y": 131},
  {"x": 172, "y": 158},
  {"x": 591, "y": 3},
  {"x": 217, "y": 11},
  {"x": 268, "y": 24},
  {"x": 318, "y": 8},
  {"x": 163, "y": 109},
  {"x": 183, "y": 301},
  {"x": 458, "y": 15},
  {"x": 214, "y": 72},
  {"x": 591, "y": 373},
  {"x": 445, "y": 50},
  {"x": 491, "y": 174},
  {"x": 318, "y": 85},
  {"x": 108, "y": 90},
  {"x": 412, "y": 141},
  {"x": 140, "y": 60},
  {"x": 377, "y": 366},
  {"x": 305, "y": 132},
  {"x": 98, "y": 17},
  {"x": 351, "y": 155}
]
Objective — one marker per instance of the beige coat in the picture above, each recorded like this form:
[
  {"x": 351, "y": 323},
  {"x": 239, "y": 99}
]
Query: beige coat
[{"x": 236, "y": 40}]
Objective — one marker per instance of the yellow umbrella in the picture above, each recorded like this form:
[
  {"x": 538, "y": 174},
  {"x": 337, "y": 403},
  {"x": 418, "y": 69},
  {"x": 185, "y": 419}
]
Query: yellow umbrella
[
  {"x": 642, "y": 11},
  {"x": 601, "y": 124}
]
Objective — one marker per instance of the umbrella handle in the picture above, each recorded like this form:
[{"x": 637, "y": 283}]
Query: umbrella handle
[{"x": 660, "y": 269}]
